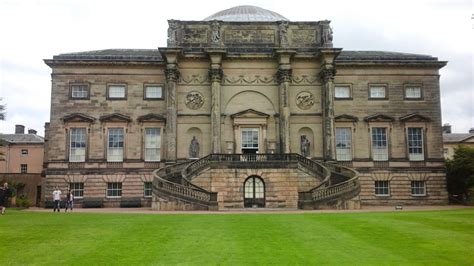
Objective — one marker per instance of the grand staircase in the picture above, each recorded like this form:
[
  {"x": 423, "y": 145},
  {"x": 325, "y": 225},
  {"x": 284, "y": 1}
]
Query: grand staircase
[{"x": 173, "y": 187}]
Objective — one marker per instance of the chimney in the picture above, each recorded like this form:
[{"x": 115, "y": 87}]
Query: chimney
[
  {"x": 19, "y": 129},
  {"x": 446, "y": 128},
  {"x": 32, "y": 131},
  {"x": 471, "y": 131}
]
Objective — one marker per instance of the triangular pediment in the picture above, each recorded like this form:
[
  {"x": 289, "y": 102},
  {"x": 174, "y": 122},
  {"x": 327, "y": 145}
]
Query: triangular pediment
[
  {"x": 151, "y": 118},
  {"x": 414, "y": 117},
  {"x": 116, "y": 117},
  {"x": 78, "y": 117},
  {"x": 379, "y": 118},
  {"x": 346, "y": 118},
  {"x": 249, "y": 113}
]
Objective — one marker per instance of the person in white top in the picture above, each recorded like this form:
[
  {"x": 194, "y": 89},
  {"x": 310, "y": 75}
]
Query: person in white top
[{"x": 57, "y": 199}]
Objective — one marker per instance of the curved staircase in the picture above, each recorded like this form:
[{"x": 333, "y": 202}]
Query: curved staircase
[{"x": 173, "y": 188}]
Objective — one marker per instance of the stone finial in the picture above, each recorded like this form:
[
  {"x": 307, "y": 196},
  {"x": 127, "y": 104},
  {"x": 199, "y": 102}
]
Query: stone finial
[
  {"x": 283, "y": 31},
  {"x": 215, "y": 33},
  {"x": 326, "y": 36},
  {"x": 172, "y": 33}
]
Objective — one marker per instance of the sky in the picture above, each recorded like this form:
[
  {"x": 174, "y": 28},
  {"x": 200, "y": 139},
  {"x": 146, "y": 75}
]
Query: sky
[{"x": 35, "y": 30}]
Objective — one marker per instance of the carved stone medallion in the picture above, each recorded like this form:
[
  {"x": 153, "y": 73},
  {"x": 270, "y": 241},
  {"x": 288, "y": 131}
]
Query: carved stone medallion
[
  {"x": 194, "y": 100},
  {"x": 304, "y": 100}
]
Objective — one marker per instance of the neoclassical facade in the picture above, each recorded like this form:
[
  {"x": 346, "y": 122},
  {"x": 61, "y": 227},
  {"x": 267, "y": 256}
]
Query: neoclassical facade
[{"x": 246, "y": 109}]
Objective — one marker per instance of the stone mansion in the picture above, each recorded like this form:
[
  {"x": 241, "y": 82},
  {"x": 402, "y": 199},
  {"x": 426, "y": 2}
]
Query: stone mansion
[{"x": 245, "y": 109}]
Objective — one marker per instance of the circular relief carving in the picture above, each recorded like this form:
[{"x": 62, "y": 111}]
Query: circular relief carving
[
  {"x": 194, "y": 100},
  {"x": 304, "y": 100}
]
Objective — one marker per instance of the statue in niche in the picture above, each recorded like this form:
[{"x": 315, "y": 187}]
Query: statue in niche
[
  {"x": 327, "y": 36},
  {"x": 283, "y": 29},
  {"x": 172, "y": 32},
  {"x": 305, "y": 146},
  {"x": 215, "y": 32},
  {"x": 194, "y": 148}
]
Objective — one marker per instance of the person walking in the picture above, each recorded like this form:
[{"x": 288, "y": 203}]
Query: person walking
[
  {"x": 69, "y": 200},
  {"x": 4, "y": 195},
  {"x": 57, "y": 199}
]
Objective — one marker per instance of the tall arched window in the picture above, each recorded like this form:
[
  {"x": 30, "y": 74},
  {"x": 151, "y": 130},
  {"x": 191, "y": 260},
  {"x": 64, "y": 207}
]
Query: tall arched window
[{"x": 254, "y": 192}]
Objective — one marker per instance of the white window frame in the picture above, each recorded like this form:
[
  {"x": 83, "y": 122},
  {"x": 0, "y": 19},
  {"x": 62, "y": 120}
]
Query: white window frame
[
  {"x": 382, "y": 188},
  {"x": 339, "y": 88},
  {"x": 416, "y": 151},
  {"x": 113, "y": 92},
  {"x": 147, "y": 189},
  {"x": 153, "y": 96},
  {"x": 254, "y": 131},
  {"x": 114, "y": 188},
  {"x": 418, "y": 188},
  {"x": 152, "y": 148},
  {"x": 24, "y": 168},
  {"x": 79, "y": 91},
  {"x": 78, "y": 153},
  {"x": 377, "y": 141},
  {"x": 343, "y": 144},
  {"x": 410, "y": 96},
  {"x": 115, "y": 149},
  {"x": 77, "y": 189},
  {"x": 375, "y": 92}
]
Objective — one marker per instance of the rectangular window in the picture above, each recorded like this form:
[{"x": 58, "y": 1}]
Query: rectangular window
[
  {"x": 152, "y": 144},
  {"x": 418, "y": 188},
  {"x": 77, "y": 190},
  {"x": 153, "y": 92},
  {"x": 379, "y": 144},
  {"x": 343, "y": 144},
  {"x": 378, "y": 92},
  {"x": 23, "y": 168},
  {"x": 342, "y": 92},
  {"x": 79, "y": 91},
  {"x": 250, "y": 138},
  {"x": 415, "y": 144},
  {"x": 412, "y": 92},
  {"x": 115, "y": 145},
  {"x": 24, "y": 152},
  {"x": 147, "y": 189},
  {"x": 382, "y": 188},
  {"x": 114, "y": 190},
  {"x": 116, "y": 92},
  {"x": 77, "y": 145}
]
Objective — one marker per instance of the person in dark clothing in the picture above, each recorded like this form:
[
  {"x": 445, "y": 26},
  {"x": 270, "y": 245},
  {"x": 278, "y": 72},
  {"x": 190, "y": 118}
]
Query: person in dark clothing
[
  {"x": 69, "y": 200},
  {"x": 5, "y": 193}
]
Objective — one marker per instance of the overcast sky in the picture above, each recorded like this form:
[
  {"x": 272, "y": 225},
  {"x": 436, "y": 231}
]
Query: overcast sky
[{"x": 35, "y": 30}]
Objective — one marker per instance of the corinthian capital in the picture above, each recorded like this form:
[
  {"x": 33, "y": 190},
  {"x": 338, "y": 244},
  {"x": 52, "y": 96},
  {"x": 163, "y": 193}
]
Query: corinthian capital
[
  {"x": 215, "y": 74},
  {"x": 327, "y": 74},
  {"x": 172, "y": 74},
  {"x": 284, "y": 75}
]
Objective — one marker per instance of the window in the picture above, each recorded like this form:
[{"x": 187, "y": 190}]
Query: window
[
  {"x": 77, "y": 190},
  {"x": 79, "y": 91},
  {"x": 378, "y": 92},
  {"x": 343, "y": 144},
  {"x": 147, "y": 189},
  {"x": 152, "y": 144},
  {"x": 153, "y": 92},
  {"x": 115, "y": 145},
  {"x": 412, "y": 92},
  {"x": 418, "y": 188},
  {"x": 382, "y": 188},
  {"x": 24, "y": 152},
  {"x": 415, "y": 144},
  {"x": 379, "y": 144},
  {"x": 342, "y": 92},
  {"x": 250, "y": 138},
  {"x": 114, "y": 190},
  {"x": 23, "y": 168},
  {"x": 116, "y": 92},
  {"x": 77, "y": 145}
]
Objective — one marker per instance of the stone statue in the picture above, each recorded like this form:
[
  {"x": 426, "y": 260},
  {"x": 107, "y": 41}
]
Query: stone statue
[
  {"x": 215, "y": 32},
  {"x": 194, "y": 148},
  {"x": 172, "y": 32},
  {"x": 305, "y": 146},
  {"x": 283, "y": 29},
  {"x": 327, "y": 36}
]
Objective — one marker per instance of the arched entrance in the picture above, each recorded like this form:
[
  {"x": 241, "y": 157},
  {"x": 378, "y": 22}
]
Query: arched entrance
[{"x": 254, "y": 192}]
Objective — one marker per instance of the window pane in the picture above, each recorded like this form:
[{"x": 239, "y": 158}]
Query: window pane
[
  {"x": 153, "y": 92},
  {"x": 79, "y": 91},
  {"x": 77, "y": 145},
  {"x": 147, "y": 189},
  {"x": 152, "y": 144},
  {"x": 115, "y": 145},
  {"x": 413, "y": 92},
  {"x": 415, "y": 144},
  {"x": 379, "y": 144},
  {"x": 116, "y": 91},
  {"x": 250, "y": 138},
  {"x": 377, "y": 92},
  {"x": 342, "y": 92},
  {"x": 343, "y": 144},
  {"x": 77, "y": 189},
  {"x": 418, "y": 188},
  {"x": 114, "y": 189},
  {"x": 382, "y": 188}
]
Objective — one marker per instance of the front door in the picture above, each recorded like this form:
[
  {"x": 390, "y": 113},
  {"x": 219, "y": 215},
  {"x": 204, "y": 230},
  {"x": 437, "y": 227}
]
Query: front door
[
  {"x": 250, "y": 139},
  {"x": 254, "y": 192}
]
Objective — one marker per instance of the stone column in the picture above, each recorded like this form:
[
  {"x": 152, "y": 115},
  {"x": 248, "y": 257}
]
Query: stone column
[
  {"x": 284, "y": 80},
  {"x": 215, "y": 76},
  {"x": 327, "y": 77},
  {"x": 172, "y": 76}
]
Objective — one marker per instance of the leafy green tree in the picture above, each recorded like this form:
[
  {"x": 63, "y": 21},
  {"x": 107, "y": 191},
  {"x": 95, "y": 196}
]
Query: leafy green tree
[{"x": 460, "y": 174}]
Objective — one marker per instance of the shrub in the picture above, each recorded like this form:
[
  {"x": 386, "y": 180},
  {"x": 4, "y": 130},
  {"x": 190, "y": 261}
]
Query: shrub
[{"x": 23, "y": 202}]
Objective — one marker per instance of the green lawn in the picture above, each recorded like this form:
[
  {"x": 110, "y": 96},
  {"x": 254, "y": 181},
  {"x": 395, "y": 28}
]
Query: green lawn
[{"x": 408, "y": 238}]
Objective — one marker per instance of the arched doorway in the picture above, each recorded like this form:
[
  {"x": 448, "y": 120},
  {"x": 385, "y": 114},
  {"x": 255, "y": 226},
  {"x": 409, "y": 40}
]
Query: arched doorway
[{"x": 254, "y": 192}]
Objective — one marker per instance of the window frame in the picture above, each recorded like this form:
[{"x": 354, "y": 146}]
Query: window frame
[
  {"x": 24, "y": 168},
  {"x": 373, "y": 86},
  {"x": 414, "y": 188},
  {"x": 75, "y": 187},
  {"x": 125, "y": 89},
  {"x": 145, "y": 144},
  {"x": 118, "y": 189},
  {"x": 146, "y": 86},
  {"x": 71, "y": 96},
  {"x": 407, "y": 86},
  {"x": 70, "y": 144},
  {"x": 108, "y": 153},
  {"x": 24, "y": 152},
  {"x": 350, "y": 145},
  {"x": 387, "y": 142},
  {"x": 379, "y": 186},
  {"x": 348, "y": 86},
  {"x": 146, "y": 189},
  {"x": 415, "y": 156}
]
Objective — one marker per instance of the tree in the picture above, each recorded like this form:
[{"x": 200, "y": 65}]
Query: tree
[
  {"x": 460, "y": 174},
  {"x": 2, "y": 117}
]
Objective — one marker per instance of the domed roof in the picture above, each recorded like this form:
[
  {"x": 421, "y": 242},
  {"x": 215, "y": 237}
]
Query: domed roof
[{"x": 246, "y": 13}]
